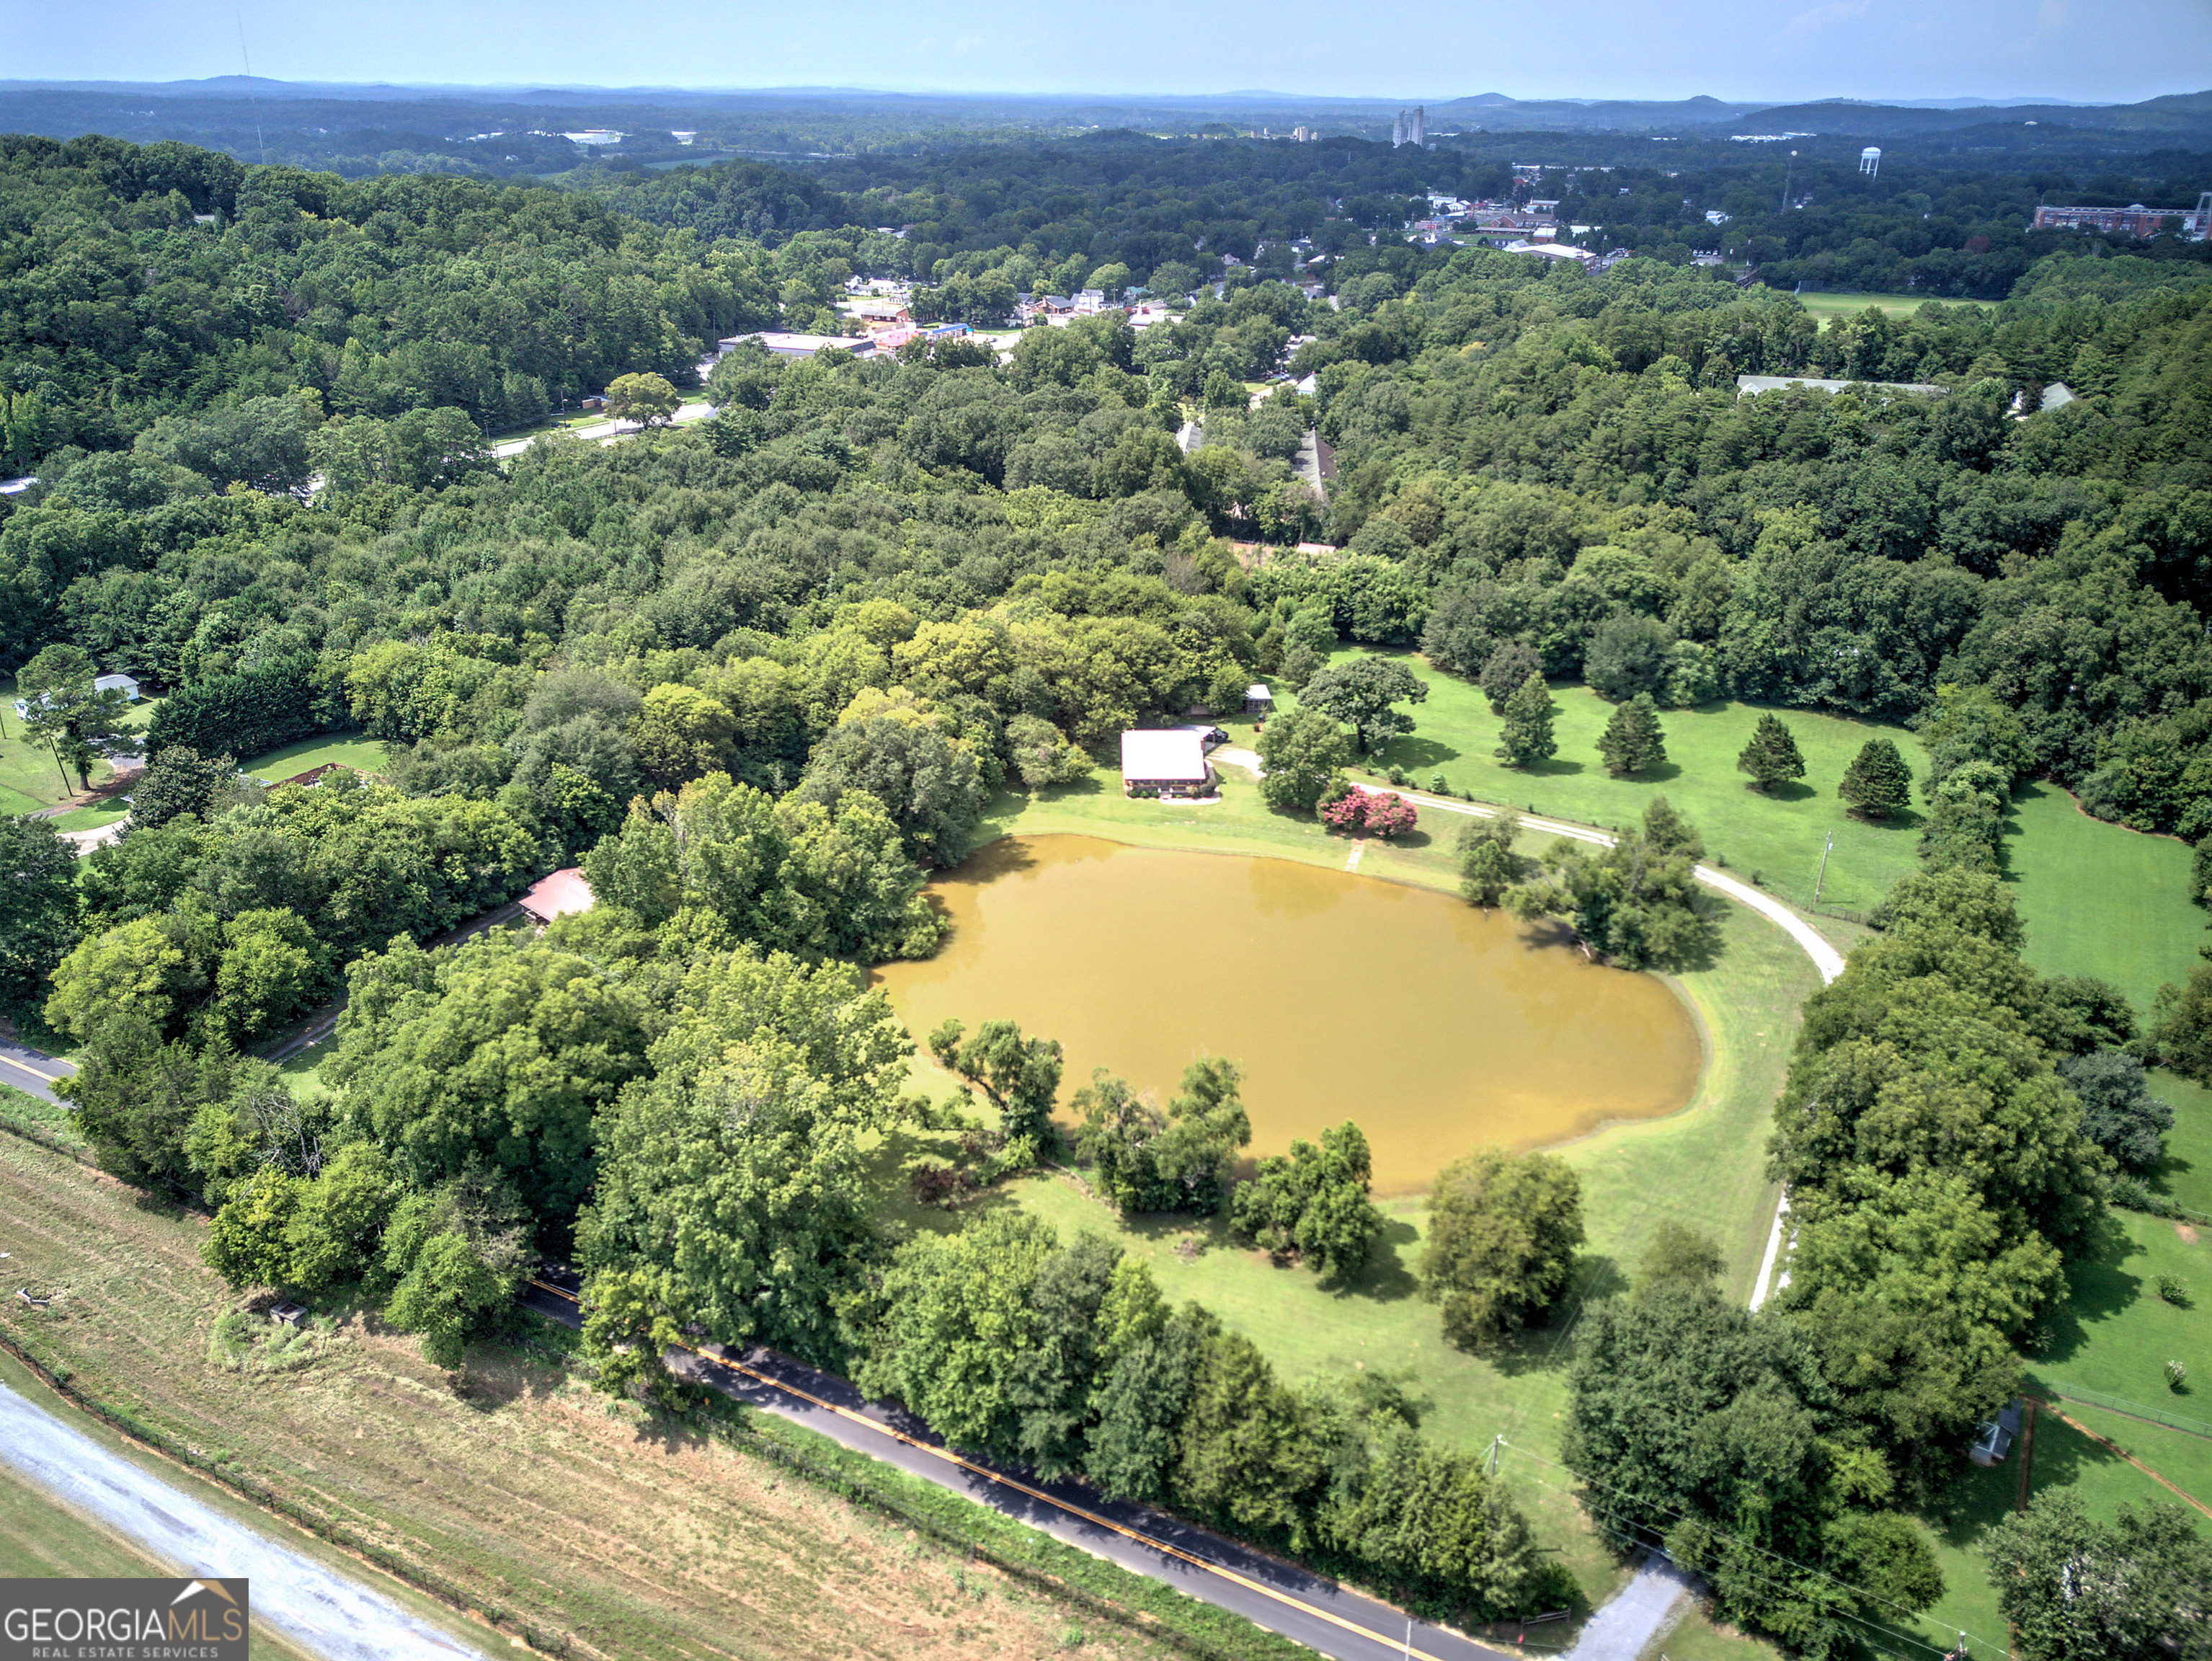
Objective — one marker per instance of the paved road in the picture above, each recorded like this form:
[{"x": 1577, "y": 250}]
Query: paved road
[
  {"x": 320, "y": 1610},
  {"x": 1312, "y": 1610},
  {"x": 600, "y": 432},
  {"x": 31, "y": 1071}
]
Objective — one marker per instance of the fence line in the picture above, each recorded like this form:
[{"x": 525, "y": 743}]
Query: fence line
[{"x": 2121, "y": 1405}]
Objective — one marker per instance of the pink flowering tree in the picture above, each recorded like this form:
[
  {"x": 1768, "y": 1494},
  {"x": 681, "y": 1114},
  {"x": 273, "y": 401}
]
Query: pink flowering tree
[
  {"x": 1347, "y": 814},
  {"x": 1389, "y": 816}
]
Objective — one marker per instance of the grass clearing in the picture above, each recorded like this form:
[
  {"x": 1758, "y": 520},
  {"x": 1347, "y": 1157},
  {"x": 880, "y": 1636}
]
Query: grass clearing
[
  {"x": 49, "y": 1119},
  {"x": 639, "y": 1539},
  {"x": 2098, "y": 898},
  {"x": 365, "y": 755},
  {"x": 93, "y": 815},
  {"x": 1826, "y": 307},
  {"x": 1776, "y": 840}
]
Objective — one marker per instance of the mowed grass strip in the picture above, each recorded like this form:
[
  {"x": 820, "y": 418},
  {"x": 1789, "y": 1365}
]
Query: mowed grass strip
[{"x": 641, "y": 1539}]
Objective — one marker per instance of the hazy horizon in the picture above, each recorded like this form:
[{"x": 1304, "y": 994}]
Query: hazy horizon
[{"x": 1873, "y": 51}]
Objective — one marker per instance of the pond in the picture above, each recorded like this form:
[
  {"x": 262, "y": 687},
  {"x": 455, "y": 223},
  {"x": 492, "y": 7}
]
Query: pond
[{"x": 1439, "y": 1028}]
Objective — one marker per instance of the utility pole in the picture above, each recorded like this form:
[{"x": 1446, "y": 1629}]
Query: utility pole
[
  {"x": 1787, "y": 167},
  {"x": 1823, "y": 876},
  {"x": 1490, "y": 1468}
]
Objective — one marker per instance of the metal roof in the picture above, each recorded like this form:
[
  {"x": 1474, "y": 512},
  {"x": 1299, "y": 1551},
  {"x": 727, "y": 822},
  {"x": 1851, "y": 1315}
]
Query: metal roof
[{"x": 1174, "y": 754}]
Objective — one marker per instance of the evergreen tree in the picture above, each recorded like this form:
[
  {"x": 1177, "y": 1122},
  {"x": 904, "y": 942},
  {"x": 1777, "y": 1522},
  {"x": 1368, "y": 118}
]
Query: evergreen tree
[
  {"x": 1632, "y": 741},
  {"x": 1878, "y": 782},
  {"x": 1525, "y": 737},
  {"x": 1771, "y": 757}
]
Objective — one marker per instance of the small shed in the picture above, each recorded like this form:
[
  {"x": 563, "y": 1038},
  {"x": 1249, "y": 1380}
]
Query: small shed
[
  {"x": 558, "y": 896},
  {"x": 1167, "y": 762},
  {"x": 1993, "y": 1438},
  {"x": 126, "y": 684},
  {"x": 1258, "y": 700}
]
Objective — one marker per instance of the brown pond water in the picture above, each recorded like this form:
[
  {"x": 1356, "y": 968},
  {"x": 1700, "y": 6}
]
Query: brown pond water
[{"x": 1437, "y": 1027}]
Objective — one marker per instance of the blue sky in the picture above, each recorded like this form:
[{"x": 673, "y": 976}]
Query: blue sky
[{"x": 2103, "y": 50}]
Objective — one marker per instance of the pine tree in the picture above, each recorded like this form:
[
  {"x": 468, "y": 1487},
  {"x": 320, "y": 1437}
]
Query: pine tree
[
  {"x": 1524, "y": 737},
  {"x": 1878, "y": 783},
  {"x": 1632, "y": 741},
  {"x": 1772, "y": 756}
]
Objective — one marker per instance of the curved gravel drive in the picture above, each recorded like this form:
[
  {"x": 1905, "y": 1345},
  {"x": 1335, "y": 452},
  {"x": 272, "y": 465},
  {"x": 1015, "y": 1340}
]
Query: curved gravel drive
[{"x": 314, "y": 1607}]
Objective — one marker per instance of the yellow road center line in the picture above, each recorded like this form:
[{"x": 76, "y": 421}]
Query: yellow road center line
[
  {"x": 951, "y": 1459},
  {"x": 35, "y": 1072}
]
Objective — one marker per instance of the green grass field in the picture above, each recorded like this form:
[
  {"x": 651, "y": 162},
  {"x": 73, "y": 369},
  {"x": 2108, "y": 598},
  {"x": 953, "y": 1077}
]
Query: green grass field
[
  {"x": 1776, "y": 839},
  {"x": 106, "y": 811},
  {"x": 2099, "y": 899},
  {"x": 1825, "y": 308},
  {"x": 29, "y": 778},
  {"x": 348, "y": 749}
]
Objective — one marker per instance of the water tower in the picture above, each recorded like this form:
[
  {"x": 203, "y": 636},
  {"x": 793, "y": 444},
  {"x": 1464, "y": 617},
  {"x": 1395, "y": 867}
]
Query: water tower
[{"x": 1870, "y": 161}]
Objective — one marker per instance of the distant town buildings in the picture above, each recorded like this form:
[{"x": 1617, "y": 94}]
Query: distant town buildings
[
  {"x": 1411, "y": 127},
  {"x": 2134, "y": 219},
  {"x": 1305, "y": 134}
]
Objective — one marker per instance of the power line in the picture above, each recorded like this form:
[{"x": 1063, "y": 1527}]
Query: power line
[{"x": 260, "y": 142}]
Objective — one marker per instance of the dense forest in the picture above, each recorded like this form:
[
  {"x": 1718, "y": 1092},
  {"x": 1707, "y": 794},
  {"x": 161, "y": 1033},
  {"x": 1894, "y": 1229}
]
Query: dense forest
[{"x": 759, "y": 675}]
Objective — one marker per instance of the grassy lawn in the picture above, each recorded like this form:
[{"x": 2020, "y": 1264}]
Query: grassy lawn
[
  {"x": 104, "y": 811},
  {"x": 20, "y": 1107},
  {"x": 1776, "y": 839},
  {"x": 1826, "y": 307},
  {"x": 351, "y": 750},
  {"x": 29, "y": 777},
  {"x": 520, "y": 1485},
  {"x": 2100, "y": 899},
  {"x": 2112, "y": 1338}
]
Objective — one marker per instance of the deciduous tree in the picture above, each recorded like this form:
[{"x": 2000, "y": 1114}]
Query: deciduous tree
[{"x": 1502, "y": 1233}]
